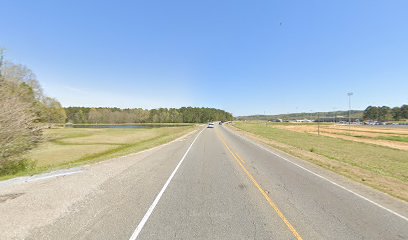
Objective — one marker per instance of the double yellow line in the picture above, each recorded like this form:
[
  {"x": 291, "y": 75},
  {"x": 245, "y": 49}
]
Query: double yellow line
[{"x": 241, "y": 163}]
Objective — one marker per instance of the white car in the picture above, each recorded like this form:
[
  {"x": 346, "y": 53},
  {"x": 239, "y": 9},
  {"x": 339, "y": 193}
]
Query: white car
[{"x": 210, "y": 125}]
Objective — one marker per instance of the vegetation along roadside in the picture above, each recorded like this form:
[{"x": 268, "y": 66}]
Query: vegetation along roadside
[
  {"x": 29, "y": 122},
  {"x": 70, "y": 147}
]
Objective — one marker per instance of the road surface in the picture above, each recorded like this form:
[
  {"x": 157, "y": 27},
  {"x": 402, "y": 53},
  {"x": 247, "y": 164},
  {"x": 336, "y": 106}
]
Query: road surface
[{"x": 212, "y": 184}]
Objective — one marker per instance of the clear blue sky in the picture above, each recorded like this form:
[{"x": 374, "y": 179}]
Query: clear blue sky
[{"x": 246, "y": 57}]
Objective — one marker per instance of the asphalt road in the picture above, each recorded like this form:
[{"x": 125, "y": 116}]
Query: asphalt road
[{"x": 213, "y": 184}]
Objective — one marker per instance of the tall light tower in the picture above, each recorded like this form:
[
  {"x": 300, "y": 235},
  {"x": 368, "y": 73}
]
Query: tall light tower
[{"x": 349, "y": 96}]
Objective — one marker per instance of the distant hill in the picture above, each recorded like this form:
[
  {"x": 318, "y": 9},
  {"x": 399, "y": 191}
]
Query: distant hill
[{"x": 355, "y": 114}]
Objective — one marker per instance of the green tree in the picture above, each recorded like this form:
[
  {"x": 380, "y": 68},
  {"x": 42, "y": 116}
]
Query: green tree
[
  {"x": 384, "y": 113},
  {"x": 396, "y": 113},
  {"x": 404, "y": 111},
  {"x": 371, "y": 113}
]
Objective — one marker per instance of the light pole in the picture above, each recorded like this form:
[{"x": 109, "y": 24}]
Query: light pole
[{"x": 349, "y": 96}]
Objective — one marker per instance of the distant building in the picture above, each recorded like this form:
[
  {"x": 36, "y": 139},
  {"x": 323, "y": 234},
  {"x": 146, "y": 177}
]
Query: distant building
[
  {"x": 276, "y": 120},
  {"x": 304, "y": 121}
]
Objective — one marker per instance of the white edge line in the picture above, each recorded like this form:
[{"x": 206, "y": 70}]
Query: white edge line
[
  {"x": 156, "y": 147},
  {"x": 157, "y": 199},
  {"x": 28, "y": 179},
  {"x": 52, "y": 176},
  {"x": 320, "y": 176}
]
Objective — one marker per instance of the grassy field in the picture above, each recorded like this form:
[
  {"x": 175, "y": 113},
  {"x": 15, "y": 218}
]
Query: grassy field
[
  {"x": 68, "y": 147},
  {"x": 381, "y": 167},
  {"x": 387, "y": 137}
]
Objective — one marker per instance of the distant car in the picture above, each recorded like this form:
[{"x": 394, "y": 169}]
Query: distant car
[{"x": 210, "y": 125}]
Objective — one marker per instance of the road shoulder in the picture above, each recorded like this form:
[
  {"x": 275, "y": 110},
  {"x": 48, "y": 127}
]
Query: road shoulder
[
  {"x": 392, "y": 203},
  {"x": 27, "y": 205}
]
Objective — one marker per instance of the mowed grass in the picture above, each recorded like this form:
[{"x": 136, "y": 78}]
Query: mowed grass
[
  {"x": 395, "y": 138},
  {"x": 67, "y": 147},
  {"x": 381, "y": 167}
]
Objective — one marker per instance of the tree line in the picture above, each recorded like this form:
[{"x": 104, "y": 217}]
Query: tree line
[
  {"x": 385, "y": 113},
  {"x": 78, "y": 115},
  {"x": 24, "y": 109},
  {"x": 306, "y": 115}
]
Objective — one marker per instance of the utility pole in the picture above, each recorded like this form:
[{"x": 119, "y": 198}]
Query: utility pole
[
  {"x": 349, "y": 96},
  {"x": 318, "y": 123}
]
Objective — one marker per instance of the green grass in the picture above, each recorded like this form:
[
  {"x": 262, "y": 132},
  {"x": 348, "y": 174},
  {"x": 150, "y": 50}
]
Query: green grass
[
  {"x": 385, "y": 161},
  {"x": 69, "y": 147},
  {"x": 389, "y": 138},
  {"x": 133, "y": 124},
  {"x": 383, "y": 168},
  {"x": 362, "y": 131},
  {"x": 394, "y": 138}
]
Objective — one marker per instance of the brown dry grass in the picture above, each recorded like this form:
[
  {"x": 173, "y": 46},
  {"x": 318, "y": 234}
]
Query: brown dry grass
[
  {"x": 370, "y": 135},
  {"x": 72, "y": 145}
]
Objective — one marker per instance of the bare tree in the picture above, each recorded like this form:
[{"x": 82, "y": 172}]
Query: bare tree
[
  {"x": 18, "y": 132},
  {"x": 53, "y": 111},
  {"x": 94, "y": 116}
]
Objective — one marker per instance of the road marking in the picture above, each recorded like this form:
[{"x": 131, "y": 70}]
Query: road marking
[
  {"x": 53, "y": 176},
  {"x": 43, "y": 176},
  {"x": 263, "y": 192},
  {"x": 157, "y": 199},
  {"x": 326, "y": 179},
  {"x": 242, "y": 160}
]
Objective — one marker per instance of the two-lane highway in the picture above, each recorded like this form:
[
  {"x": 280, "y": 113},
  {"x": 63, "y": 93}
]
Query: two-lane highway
[
  {"x": 211, "y": 198},
  {"x": 318, "y": 207},
  {"x": 213, "y": 184},
  {"x": 229, "y": 188}
]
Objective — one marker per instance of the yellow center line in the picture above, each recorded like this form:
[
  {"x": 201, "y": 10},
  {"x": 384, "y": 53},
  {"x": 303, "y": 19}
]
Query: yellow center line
[
  {"x": 263, "y": 192},
  {"x": 242, "y": 160}
]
